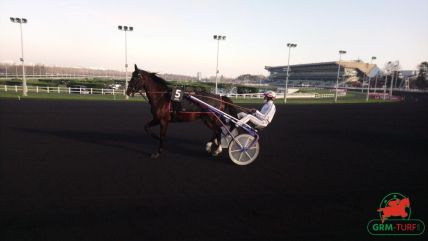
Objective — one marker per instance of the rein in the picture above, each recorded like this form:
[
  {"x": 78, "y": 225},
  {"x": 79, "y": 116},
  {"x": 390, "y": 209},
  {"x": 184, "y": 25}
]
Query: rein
[{"x": 209, "y": 97}]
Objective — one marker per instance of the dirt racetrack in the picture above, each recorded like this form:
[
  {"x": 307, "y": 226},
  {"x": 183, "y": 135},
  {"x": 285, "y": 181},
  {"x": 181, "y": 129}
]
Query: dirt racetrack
[{"x": 81, "y": 171}]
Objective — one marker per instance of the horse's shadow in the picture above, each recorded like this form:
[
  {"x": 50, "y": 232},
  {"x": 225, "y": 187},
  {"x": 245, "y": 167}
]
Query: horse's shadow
[{"x": 146, "y": 143}]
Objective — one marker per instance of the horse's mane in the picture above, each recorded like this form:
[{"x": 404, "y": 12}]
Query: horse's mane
[
  {"x": 156, "y": 78},
  {"x": 159, "y": 79}
]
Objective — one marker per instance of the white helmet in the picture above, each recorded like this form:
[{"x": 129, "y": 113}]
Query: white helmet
[{"x": 270, "y": 94}]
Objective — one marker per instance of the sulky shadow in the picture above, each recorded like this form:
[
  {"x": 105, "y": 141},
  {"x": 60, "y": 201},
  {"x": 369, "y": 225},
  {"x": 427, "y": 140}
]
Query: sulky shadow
[{"x": 139, "y": 142}]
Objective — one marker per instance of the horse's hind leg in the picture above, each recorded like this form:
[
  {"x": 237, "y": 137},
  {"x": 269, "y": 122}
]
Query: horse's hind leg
[
  {"x": 211, "y": 143},
  {"x": 217, "y": 141},
  {"x": 214, "y": 145}
]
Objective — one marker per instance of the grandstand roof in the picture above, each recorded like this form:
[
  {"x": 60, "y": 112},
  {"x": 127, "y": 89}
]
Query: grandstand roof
[{"x": 366, "y": 68}]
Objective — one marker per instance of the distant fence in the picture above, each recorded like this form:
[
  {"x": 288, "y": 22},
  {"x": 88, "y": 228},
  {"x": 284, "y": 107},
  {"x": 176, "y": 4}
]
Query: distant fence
[
  {"x": 289, "y": 96},
  {"x": 62, "y": 90},
  {"x": 60, "y": 76},
  {"x": 378, "y": 89},
  {"x": 107, "y": 91}
]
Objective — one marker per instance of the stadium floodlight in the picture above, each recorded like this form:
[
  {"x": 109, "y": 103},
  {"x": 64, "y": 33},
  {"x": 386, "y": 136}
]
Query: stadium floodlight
[
  {"x": 24, "y": 81},
  {"x": 375, "y": 85},
  {"x": 338, "y": 72},
  {"x": 386, "y": 80},
  {"x": 218, "y": 38},
  {"x": 289, "y": 45},
  {"x": 126, "y": 29},
  {"x": 394, "y": 73},
  {"x": 368, "y": 86}
]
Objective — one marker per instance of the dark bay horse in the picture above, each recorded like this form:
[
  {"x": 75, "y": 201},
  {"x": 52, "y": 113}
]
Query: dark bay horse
[{"x": 159, "y": 96}]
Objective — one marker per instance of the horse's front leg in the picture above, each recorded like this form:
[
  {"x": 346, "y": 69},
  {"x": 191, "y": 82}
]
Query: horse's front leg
[
  {"x": 163, "y": 130},
  {"x": 150, "y": 124}
]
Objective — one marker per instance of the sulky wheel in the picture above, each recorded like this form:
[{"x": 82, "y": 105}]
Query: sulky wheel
[{"x": 241, "y": 151}]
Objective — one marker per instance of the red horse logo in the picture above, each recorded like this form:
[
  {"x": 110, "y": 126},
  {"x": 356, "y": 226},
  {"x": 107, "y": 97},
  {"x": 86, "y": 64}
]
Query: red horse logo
[{"x": 396, "y": 208}]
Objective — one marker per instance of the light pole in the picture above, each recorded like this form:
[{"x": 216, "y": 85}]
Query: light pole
[
  {"x": 338, "y": 72},
  {"x": 218, "y": 38},
  {"x": 126, "y": 29},
  {"x": 393, "y": 72},
  {"x": 289, "y": 45},
  {"x": 24, "y": 81},
  {"x": 375, "y": 84},
  {"x": 368, "y": 86},
  {"x": 397, "y": 72}
]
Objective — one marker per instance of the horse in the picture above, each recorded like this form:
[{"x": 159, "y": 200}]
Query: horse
[
  {"x": 159, "y": 97},
  {"x": 396, "y": 208}
]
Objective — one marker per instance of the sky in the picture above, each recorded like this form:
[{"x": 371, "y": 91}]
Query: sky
[{"x": 177, "y": 36}]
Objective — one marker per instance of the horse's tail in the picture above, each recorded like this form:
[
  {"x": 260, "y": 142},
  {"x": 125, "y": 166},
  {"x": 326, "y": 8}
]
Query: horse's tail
[{"x": 229, "y": 107}]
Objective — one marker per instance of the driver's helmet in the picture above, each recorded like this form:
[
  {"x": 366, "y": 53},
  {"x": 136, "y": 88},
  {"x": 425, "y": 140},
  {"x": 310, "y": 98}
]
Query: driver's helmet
[{"x": 270, "y": 94}]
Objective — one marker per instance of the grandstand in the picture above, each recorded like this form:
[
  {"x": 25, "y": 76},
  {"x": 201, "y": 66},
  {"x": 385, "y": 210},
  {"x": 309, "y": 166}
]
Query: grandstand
[{"x": 322, "y": 74}]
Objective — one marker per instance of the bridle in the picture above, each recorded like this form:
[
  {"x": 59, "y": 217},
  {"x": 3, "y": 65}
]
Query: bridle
[{"x": 134, "y": 89}]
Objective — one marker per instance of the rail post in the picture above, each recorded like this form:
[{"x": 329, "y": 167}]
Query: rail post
[
  {"x": 16, "y": 88},
  {"x": 37, "y": 89},
  {"x": 59, "y": 90},
  {"x": 47, "y": 90},
  {"x": 5, "y": 88}
]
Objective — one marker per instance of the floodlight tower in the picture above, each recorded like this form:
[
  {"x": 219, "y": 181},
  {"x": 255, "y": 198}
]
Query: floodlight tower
[
  {"x": 218, "y": 38},
  {"x": 338, "y": 71},
  {"x": 24, "y": 81},
  {"x": 368, "y": 86},
  {"x": 289, "y": 45},
  {"x": 126, "y": 29},
  {"x": 394, "y": 73},
  {"x": 386, "y": 79}
]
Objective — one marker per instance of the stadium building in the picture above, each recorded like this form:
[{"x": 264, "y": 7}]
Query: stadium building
[{"x": 323, "y": 74}]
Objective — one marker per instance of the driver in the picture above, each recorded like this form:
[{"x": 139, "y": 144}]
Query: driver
[{"x": 263, "y": 117}]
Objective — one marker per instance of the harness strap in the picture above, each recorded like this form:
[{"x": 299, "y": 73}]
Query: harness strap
[
  {"x": 209, "y": 97},
  {"x": 225, "y": 102}
]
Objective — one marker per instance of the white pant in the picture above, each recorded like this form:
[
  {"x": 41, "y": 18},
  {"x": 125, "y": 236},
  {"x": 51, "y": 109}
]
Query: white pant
[{"x": 244, "y": 118}]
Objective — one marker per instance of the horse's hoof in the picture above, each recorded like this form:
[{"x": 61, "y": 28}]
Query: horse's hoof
[
  {"x": 155, "y": 155},
  {"x": 217, "y": 151},
  {"x": 208, "y": 147}
]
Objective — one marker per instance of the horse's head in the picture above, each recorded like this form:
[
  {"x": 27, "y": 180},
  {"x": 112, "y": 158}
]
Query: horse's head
[
  {"x": 136, "y": 84},
  {"x": 405, "y": 202}
]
